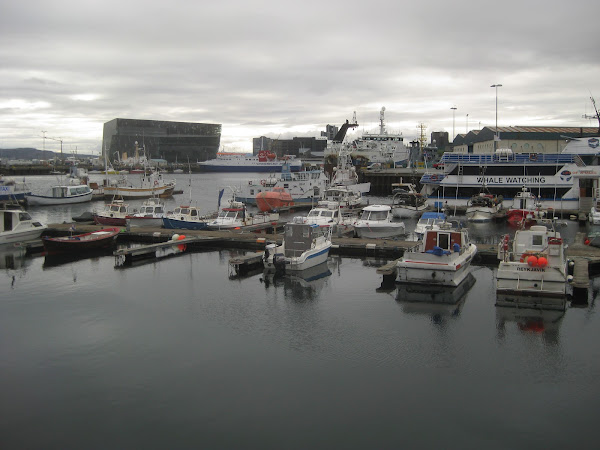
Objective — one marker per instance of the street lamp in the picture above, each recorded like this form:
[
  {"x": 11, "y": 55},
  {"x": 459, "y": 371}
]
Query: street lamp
[
  {"x": 453, "y": 112},
  {"x": 496, "y": 138}
]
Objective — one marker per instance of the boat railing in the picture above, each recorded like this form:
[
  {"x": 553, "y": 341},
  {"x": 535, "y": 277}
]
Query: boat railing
[{"x": 515, "y": 158}]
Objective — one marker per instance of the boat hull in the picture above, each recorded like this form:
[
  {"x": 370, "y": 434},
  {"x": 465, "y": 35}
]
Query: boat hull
[
  {"x": 43, "y": 200},
  {"x": 372, "y": 231},
  {"x": 8, "y": 237},
  {"x": 516, "y": 278},
  {"x": 175, "y": 224},
  {"x": 408, "y": 212},
  {"x": 138, "y": 193},
  {"x": 480, "y": 214},
  {"x": 95, "y": 240},
  {"x": 306, "y": 260},
  {"x": 111, "y": 221},
  {"x": 156, "y": 222},
  {"x": 443, "y": 270}
]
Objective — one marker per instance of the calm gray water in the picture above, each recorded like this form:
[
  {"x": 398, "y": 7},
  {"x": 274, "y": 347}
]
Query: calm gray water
[{"x": 178, "y": 354}]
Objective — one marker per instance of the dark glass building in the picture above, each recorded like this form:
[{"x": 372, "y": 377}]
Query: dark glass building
[{"x": 171, "y": 141}]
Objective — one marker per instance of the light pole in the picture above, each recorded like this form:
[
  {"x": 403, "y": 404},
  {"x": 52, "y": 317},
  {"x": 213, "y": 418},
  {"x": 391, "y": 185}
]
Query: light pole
[
  {"x": 467, "y": 129},
  {"x": 496, "y": 137},
  {"x": 453, "y": 112}
]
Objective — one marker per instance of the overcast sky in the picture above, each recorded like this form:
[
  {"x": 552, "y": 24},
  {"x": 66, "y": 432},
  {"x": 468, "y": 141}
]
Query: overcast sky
[{"x": 288, "y": 68}]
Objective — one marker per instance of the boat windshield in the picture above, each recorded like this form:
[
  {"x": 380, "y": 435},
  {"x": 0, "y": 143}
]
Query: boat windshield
[{"x": 374, "y": 215}]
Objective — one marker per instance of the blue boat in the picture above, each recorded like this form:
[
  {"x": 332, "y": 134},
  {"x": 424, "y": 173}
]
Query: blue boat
[{"x": 186, "y": 218}]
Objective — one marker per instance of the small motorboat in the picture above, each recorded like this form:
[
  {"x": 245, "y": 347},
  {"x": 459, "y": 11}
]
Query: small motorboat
[
  {"x": 482, "y": 207},
  {"x": 443, "y": 257},
  {"x": 16, "y": 225},
  {"x": 329, "y": 214},
  {"x": 526, "y": 210},
  {"x": 186, "y": 218},
  {"x": 113, "y": 214},
  {"x": 93, "y": 240},
  {"x": 274, "y": 199},
  {"x": 62, "y": 194},
  {"x": 534, "y": 263},
  {"x": 235, "y": 215},
  {"x": 304, "y": 246},
  {"x": 407, "y": 203},
  {"x": 428, "y": 221},
  {"x": 151, "y": 214},
  {"x": 376, "y": 222}
]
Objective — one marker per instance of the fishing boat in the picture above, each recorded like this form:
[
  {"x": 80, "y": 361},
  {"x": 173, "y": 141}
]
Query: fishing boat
[
  {"x": 85, "y": 242},
  {"x": 264, "y": 161},
  {"x": 61, "y": 194},
  {"x": 235, "y": 215},
  {"x": 344, "y": 173},
  {"x": 114, "y": 213},
  {"x": 16, "y": 225},
  {"x": 526, "y": 210},
  {"x": 376, "y": 222},
  {"x": 429, "y": 220},
  {"x": 305, "y": 187},
  {"x": 533, "y": 263},
  {"x": 442, "y": 257},
  {"x": 273, "y": 200},
  {"x": 482, "y": 207},
  {"x": 304, "y": 246},
  {"x": 343, "y": 197},
  {"x": 150, "y": 185},
  {"x": 407, "y": 203},
  {"x": 11, "y": 191},
  {"x": 329, "y": 214},
  {"x": 187, "y": 218},
  {"x": 560, "y": 180},
  {"x": 151, "y": 214}
]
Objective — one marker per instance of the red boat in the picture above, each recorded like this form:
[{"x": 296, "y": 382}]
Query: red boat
[
  {"x": 274, "y": 199},
  {"x": 526, "y": 210},
  {"x": 94, "y": 240}
]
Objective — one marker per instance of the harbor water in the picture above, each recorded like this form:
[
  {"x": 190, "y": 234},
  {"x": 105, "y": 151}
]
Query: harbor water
[{"x": 181, "y": 353}]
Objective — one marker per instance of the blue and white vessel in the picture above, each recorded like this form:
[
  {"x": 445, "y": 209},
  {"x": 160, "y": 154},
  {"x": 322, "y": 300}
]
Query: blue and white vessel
[{"x": 263, "y": 162}]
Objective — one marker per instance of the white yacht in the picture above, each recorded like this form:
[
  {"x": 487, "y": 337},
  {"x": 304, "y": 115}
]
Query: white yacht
[{"x": 376, "y": 222}]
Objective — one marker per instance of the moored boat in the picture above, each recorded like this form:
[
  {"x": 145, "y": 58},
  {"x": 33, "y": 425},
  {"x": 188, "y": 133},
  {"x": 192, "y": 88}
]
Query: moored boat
[
  {"x": 482, "y": 207},
  {"x": 93, "y": 240},
  {"x": 151, "y": 214},
  {"x": 442, "y": 257},
  {"x": 274, "y": 199},
  {"x": 526, "y": 210},
  {"x": 150, "y": 185},
  {"x": 407, "y": 203},
  {"x": 11, "y": 191},
  {"x": 304, "y": 246},
  {"x": 235, "y": 215},
  {"x": 534, "y": 263},
  {"x": 376, "y": 222},
  {"x": 16, "y": 225},
  {"x": 187, "y": 218},
  {"x": 264, "y": 161},
  {"x": 429, "y": 220},
  {"x": 113, "y": 213},
  {"x": 62, "y": 194}
]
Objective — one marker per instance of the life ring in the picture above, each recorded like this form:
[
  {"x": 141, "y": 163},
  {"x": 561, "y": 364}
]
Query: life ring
[
  {"x": 434, "y": 177},
  {"x": 554, "y": 241},
  {"x": 533, "y": 157},
  {"x": 263, "y": 182}
]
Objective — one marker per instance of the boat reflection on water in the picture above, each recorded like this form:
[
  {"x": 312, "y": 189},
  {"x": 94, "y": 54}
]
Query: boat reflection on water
[
  {"x": 534, "y": 302},
  {"x": 12, "y": 256},
  {"x": 530, "y": 321},
  {"x": 301, "y": 285},
  {"x": 59, "y": 259},
  {"x": 437, "y": 301}
]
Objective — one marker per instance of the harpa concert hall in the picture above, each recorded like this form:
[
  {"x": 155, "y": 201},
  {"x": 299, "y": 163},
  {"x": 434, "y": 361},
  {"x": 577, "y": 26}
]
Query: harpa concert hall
[{"x": 170, "y": 141}]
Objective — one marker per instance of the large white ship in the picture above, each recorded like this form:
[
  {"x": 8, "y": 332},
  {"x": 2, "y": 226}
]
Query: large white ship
[
  {"x": 265, "y": 161},
  {"x": 559, "y": 181}
]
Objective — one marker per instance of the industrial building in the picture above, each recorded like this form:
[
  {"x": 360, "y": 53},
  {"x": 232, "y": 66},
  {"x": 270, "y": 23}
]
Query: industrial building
[
  {"x": 170, "y": 141},
  {"x": 521, "y": 139}
]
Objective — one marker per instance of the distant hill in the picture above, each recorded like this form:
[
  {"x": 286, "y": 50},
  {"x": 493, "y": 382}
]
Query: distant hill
[{"x": 33, "y": 153}]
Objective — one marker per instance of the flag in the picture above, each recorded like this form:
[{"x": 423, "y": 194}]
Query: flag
[{"x": 220, "y": 196}]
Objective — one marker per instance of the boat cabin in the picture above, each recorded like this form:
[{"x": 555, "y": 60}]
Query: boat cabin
[
  {"x": 11, "y": 219},
  {"x": 536, "y": 240},
  {"x": 444, "y": 241},
  {"x": 69, "y": 191},
  {"x": 298, "y": 238},
  {"x": 376, "y": 213}
]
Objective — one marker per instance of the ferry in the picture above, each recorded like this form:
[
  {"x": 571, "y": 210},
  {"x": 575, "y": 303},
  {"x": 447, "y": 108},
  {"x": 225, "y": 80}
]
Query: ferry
[
  {"x": 265, "y": 161},
  {"x": 558, "y": 180}
]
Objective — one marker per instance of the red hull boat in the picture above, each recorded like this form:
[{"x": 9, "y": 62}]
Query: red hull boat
[{"x": 94, "y": 240}]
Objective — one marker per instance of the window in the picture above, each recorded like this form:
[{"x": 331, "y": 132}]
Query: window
[
  {"x": 537, "y": 239},
  {"x": 444, "y": 240}
]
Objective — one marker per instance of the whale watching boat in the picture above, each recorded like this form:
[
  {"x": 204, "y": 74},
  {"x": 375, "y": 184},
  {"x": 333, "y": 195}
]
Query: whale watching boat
[
  {"x": 442, "y": 257},
  {"x": 557, "y": 179},
  {"x": 264, "y": 161},
  {"x": 304, "y": 246},
  {"x": 533, "y": 264}
]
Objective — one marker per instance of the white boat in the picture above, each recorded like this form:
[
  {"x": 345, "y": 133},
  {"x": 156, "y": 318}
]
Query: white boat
[
  {"x": 380, "y": 148},
  {"x": 407, "y": 203},
  {"x": 533, "y": 263},
  {"x": 16, "y": 225},
  {"x": 344, "y": 174},
  {"x": 559, "y": 180},
  {"x": 150, "y": 185},
  {"x": 11, "y": 191},
  {"x": 264, "y": 161},
  {"x": 235, "y": 215},
  {"x": 151, "y": 214},
  {"x": 329, "y": 214},
  {"x": 526, "y": 210},
  {"x": 376, "y": 222},
  {"x": 442, "y": 257},
  {"x": 62, "y": 194},
  {"x": 594, "y": 216},
  {"x": 428, "y": 221},
  {"x": 482, "y": 207},
  {"x": 304, "y": 246},
  {"x": 343, "y": 197},
  {"x": 305, "y": 187},
  {"x": 113, "y": 213}
]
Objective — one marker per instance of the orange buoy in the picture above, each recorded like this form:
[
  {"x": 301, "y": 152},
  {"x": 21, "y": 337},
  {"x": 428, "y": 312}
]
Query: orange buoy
[
  {"x": 542, "y": 261},
  {"x": 586, "y": 242},
  {"x": 532, "y": 261},
  {"x": 181, "y": 237}
]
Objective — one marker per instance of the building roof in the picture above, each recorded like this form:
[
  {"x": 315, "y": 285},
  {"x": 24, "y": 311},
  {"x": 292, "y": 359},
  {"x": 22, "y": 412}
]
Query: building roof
[{"x": 525, "y": 132}]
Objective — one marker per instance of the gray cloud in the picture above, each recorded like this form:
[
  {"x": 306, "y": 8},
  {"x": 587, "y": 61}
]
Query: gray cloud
[{"x": 281, "y": 68}]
